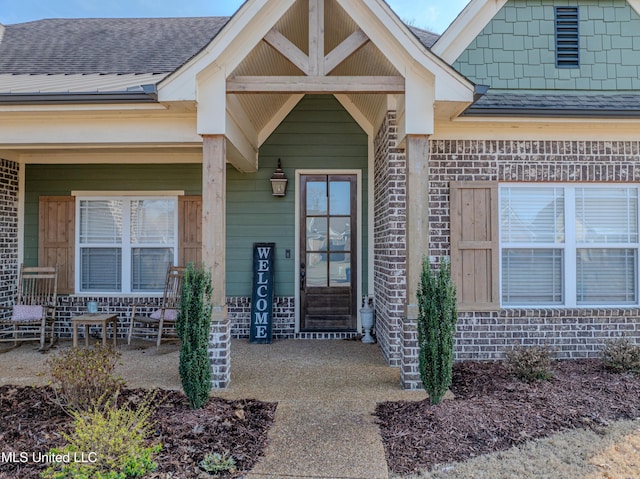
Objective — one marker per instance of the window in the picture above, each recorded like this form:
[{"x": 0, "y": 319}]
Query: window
[
  {"x": 124, "y": 244},
  {"x": 569, "y": 245},
  {"x": 567, "y": 35}
]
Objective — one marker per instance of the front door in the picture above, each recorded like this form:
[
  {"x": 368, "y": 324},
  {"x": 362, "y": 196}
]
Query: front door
[{"x": 328, "y": 247}]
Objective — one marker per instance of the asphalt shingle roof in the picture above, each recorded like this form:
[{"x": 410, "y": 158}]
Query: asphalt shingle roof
[
  {"x": 104, "y": 45},
  {"x": 557, "y": 104},
  {"x": 112, "y": 45}
]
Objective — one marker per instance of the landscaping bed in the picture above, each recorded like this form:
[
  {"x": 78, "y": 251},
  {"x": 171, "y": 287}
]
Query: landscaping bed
[
  {"x": 32, "y": 422},
  {"x": 493, "y": 411}
]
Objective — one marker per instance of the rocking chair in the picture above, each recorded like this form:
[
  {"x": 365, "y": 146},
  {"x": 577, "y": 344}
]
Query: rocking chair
[
  {"x": 34, "y": 311},
  {"x": 160, "y": 324}
]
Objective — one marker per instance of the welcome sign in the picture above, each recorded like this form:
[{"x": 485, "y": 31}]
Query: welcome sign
[{"x": 262, "y": 293}]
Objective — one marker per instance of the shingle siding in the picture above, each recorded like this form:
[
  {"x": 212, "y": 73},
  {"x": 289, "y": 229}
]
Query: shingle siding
[{"x": 516, "y": 50}]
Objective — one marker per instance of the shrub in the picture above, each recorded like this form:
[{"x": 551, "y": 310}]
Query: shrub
[
  {"x": 437, "y": 319},
  {"x": 194, "y": 321},
  {"x": 620, "y": 355},
  {"x": 215, "y": 462},
  {"x": 84, "y": 378},
  {"x": 113, "y": 441},
  {"x": 531, "y": 363}
]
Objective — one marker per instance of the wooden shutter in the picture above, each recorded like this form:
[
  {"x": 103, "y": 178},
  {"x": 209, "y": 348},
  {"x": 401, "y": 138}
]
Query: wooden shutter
[
  {"x": 56, "y": 238},
  {"x": 474, "y": 245},
  {"x": 190, "y": 230}
]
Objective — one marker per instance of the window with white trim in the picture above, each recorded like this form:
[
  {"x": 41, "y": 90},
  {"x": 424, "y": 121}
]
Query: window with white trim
[
  {"x": 124, "y": 244},
  {"x": 569, "y": 246}
]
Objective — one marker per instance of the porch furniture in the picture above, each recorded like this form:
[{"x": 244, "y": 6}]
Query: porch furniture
[
  {"x": 160, "y": 324},
  {"x": 100, "y": 319},
  {"x": 34, "y": 311}
]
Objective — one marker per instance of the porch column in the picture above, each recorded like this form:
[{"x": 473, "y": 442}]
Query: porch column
[
  {"x": 417, "y": 155},
  {"x": 214, "y": 201}
]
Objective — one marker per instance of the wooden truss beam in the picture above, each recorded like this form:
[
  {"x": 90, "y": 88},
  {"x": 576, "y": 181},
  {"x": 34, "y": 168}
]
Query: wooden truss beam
[{"x": 316, "y": 84}]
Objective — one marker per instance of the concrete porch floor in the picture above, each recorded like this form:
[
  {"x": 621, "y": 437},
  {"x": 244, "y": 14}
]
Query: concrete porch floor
[{"x": 326, "y": 393}]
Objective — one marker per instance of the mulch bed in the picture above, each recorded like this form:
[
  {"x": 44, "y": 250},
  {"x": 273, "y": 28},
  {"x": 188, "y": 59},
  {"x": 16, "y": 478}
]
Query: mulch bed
[
  {"x": 493, "y": 411},
  {"x": 32, "y": 422}
]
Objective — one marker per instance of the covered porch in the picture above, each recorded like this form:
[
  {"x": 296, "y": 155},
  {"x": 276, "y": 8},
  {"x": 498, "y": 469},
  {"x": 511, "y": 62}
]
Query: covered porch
[{"x": 339, "y": 91}]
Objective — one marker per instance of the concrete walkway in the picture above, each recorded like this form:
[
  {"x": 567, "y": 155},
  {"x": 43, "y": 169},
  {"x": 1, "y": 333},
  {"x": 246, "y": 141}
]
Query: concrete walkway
[{"x": 326, "y": 393}]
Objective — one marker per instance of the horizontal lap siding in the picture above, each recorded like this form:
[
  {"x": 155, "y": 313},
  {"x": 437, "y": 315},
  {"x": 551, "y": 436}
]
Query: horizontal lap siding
[
  {"x": 61, "y": 180},
  {"x": 317, "y": 134}
]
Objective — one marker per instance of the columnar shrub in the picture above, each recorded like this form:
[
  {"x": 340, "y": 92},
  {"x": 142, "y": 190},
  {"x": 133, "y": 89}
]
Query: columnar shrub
[
  {"x": 193, "y": 324},
  {"x": 437, "y": 320},
  {"x": 83, "y": 378}
]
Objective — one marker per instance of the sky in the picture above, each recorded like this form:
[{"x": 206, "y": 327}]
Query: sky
[{"x": 433, "y": 15}]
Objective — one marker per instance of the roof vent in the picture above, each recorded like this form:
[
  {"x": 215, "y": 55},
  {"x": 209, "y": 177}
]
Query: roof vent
[
  {"x": 567, "y": 37},
  {"x": 1, "y": 32}
]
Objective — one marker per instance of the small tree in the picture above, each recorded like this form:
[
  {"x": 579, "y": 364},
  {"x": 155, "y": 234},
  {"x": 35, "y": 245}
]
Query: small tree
[
  {"x": 193, "y": 324},
  {"x": 436, "y": 328}
]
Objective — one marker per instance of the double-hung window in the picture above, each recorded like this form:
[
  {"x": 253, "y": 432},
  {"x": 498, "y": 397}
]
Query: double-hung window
[
  {"x": 124, "y": 244},
  {"x": 569, "y": 246}
]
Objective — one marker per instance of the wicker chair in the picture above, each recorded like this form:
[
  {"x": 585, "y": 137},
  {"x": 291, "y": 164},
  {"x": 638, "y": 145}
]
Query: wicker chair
[
  {"x": 160, "y": 324},
  {"x": 34, "y": 311}
]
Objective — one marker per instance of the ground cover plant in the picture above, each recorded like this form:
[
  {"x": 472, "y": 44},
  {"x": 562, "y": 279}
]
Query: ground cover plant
[
  {"x": 493, "y": 411},
  {"x": 33, "y": 422}
]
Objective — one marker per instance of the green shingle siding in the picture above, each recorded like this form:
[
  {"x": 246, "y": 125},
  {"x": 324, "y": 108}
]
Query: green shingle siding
[{"x": 522, "y": 34}]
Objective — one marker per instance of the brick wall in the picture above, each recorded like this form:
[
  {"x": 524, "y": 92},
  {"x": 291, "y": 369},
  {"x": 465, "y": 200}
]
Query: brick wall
[
  {"x": 572, "y": 332},
  {"x": 8, "y": 230},
  {"x": 389, "y": 236},
  {"x": 284, "y": 317}
]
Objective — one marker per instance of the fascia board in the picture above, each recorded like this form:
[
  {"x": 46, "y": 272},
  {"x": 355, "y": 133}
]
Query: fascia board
[
  {"x": 465, "y": 28},
  {"x": 231, "y": 45},
  {"x": 401, "y": 47},
  {"x": 635, "y": 4}
]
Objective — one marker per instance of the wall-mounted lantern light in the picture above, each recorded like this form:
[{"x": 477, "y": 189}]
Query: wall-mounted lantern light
[{"x": 278, "y": 181}]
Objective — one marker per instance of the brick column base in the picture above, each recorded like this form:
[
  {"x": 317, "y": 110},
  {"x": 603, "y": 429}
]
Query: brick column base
[
  {"x": 409, "y": 370},
  {"x": 220, "y": 353}
]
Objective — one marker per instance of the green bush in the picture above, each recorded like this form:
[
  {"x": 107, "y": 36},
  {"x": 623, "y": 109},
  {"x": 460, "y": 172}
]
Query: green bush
[
  {"x": 215, "y": 462},
  {"x": 193, "y": 325},
  {"x": 112, "y": 442},
  {"x": 84, "y": 378},
  {"x": 530, "y": 363},
  {"x": 620, "y": 355},
  {"x": 437, "y": 320}
]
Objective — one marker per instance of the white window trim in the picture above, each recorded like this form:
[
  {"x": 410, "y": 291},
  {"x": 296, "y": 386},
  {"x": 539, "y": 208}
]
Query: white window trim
[
  {"x": 126, "y": 252},
  {"x": 569, "y": 246}
]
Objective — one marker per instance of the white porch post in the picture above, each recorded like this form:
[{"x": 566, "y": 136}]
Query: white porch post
[{"x": 214, "y": 196}]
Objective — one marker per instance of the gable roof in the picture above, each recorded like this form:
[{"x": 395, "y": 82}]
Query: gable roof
[
  {"x": 104, "y": 45},
  {"x": 113, "y": 45}
]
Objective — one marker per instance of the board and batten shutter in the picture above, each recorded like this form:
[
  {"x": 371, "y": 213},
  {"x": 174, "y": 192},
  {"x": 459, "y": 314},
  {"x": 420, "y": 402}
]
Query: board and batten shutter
[
  {"x": 190, "y": 230},
  {"x": 474, "y": 244},
  {"x": 56, "y": 238}
]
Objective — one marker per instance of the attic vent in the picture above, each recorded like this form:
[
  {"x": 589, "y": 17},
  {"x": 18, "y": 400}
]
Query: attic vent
[{"x": 567, "y": 37}]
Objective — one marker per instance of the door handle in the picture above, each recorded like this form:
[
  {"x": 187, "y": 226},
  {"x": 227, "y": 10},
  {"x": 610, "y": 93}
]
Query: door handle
[{"x": 303, "y": 275}]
